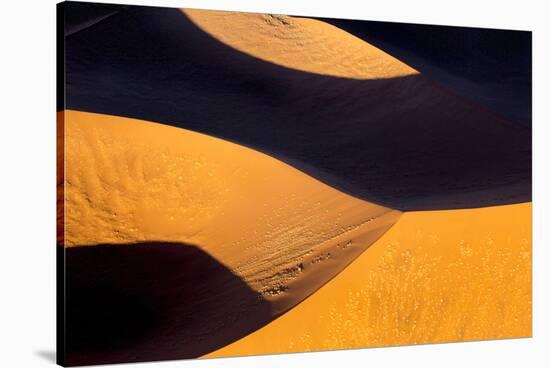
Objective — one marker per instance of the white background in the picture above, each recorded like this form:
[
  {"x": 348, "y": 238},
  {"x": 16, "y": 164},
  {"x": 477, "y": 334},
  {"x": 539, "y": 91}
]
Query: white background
[{"x": 27, "y": 179}]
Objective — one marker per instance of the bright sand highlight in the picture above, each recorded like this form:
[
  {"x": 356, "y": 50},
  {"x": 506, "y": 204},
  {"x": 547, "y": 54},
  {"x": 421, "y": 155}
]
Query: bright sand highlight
[
  {"x": 284, "y": 233},
  {"x": 299, "y": 43},
  {"x": 436, "y": 276}
]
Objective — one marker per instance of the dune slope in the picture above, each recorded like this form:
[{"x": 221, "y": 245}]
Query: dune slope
[
  {"x": 304, "y": 44},
  {"x": 281, "y": 232},
  {"x": 269, "y": 154},
  {"x": 436, "y": 276},
  {"x": 307, "y": 93},
  {"x": 489, "y": 66}
]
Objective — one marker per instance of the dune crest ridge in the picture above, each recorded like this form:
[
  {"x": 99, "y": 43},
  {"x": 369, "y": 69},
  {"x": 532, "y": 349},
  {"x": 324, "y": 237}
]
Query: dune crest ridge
[
  {"x": 239, "y": 183},
  {"x": 283, "y": 232},
  {"x": 414, "y": 145},
  {"x": 435, "y": 276}
]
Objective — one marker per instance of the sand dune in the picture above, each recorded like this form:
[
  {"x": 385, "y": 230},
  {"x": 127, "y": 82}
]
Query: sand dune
[
  {"x": 281, "y": 232},
  {"x": 303, "y": 44},
  {"x": 376, "y": 130},
  {"x": 436, "y": 276},
  {"x": 228, "y": 166},
  {"x": 489, "y": 66},
  {"x": 152, "y": 300}
]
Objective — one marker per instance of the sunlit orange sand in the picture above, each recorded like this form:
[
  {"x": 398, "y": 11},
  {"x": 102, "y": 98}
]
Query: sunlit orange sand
[
  {"x": 286, "y": 234},
  {"x": 130, "y": 181},
  {"x": 435, "y": 276},
  {"x": 282, "y": 232},
  {"x": 299, "y": 43},
  {"x": 179, "y": 244}
]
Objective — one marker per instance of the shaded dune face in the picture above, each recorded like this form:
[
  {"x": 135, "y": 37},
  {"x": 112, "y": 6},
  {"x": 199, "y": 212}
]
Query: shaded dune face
[
  {"x": 277, "y": 231},
  {"x": 153, "y": 301},
  {"x": 490, "y": 66},
  {"x": 84, "y": 15},
  {"x": 399, "y": 140}
]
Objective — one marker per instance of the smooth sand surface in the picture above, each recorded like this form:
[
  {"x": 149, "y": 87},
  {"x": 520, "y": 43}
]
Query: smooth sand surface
[
  {"x": 281, "y": 232},
  {"x": 436, "y": 276}
]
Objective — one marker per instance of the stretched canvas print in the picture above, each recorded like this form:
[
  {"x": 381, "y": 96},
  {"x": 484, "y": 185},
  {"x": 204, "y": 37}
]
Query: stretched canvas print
[{"x": 236, "y": 184}]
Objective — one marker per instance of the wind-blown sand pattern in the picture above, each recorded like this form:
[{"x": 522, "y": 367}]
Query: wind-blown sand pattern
[
  {"x": 299, "y": 43},
  {"x": 282, "y": 232},
  {"x": 436, "y": 276},
  {"x": 237, "y": 184}
]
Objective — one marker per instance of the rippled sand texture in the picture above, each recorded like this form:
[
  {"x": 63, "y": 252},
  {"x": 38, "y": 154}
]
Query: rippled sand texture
[
  {"x": 282, "y": 232},
  {"x": 234, "y": 215},
  {"x": 436, "y": 276},
  {"x": 299, "y": 43}
]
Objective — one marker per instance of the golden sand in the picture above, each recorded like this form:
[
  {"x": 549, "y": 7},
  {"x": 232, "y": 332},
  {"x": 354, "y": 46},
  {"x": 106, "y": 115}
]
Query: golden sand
[
  {"x": 283, "y": 232},
  {"x": 435, "y": 276},
  {"x": 299, "y": 43}
]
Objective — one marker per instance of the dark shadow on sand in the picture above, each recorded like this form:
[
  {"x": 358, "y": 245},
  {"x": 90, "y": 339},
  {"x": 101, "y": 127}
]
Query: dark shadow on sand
[
  {"x": 153, "y": 301},
  {"x": 403, "y": 142},
  {"x": 490, "y": 66}
]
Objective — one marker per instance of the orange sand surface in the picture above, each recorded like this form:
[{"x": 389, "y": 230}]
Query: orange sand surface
[
  {"x": 298, "y": 244},
  {"x": 436, "y": 276},
  {"x": 299, "y": 43},
  {"x": 284, "y": 233}
]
